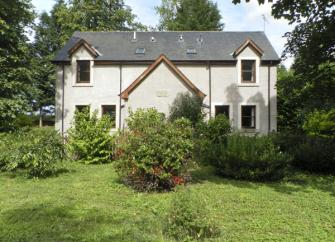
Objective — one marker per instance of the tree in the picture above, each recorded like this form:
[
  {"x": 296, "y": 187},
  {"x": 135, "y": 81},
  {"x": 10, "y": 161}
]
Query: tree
[
  {"x": 15, "y": 78},
  {"x": 187, "y": 15},
  {"x": 46, "y": 43},
  {"x": 98, "y": 15}
]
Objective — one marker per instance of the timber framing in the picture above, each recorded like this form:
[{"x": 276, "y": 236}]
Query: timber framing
[
  {"x": 151, "y": 68},
  {"x": 251, "y": 44},
  {"x": 86, "y": 45}
]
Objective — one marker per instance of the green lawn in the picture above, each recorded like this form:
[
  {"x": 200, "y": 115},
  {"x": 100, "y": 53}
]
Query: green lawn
[{"x": 90, "y": 204}]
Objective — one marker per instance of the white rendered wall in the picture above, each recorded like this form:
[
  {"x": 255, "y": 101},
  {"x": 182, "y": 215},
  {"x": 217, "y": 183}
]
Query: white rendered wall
[{"x": 226, "y": 89}]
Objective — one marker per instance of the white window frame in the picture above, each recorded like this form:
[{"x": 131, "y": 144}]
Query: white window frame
[
  {"x": 239, "y": 71},
  {"x": 240, "y": 116},
  {"x": 78, "y": 84},
  {"x": 225, "y": 104},
  {"x": 116, "y": 113}
]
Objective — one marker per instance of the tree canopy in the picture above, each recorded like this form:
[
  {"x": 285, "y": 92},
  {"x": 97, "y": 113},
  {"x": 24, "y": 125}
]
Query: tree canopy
[
  {"x": 188, "y": 15},
  {"x": 15, "y": 78}
]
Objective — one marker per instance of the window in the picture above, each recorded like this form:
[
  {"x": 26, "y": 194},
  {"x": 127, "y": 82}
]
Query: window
[
  {"x": 109, "y": 110},
  {"x": 249, "y": 116},
  {"x": 191, "y": 50},
  {"x": 222, "y": 109},
  {"x": 140, "y": 51},
  {"x": 248, "y": 71},
  {"x": 83, "y": 71},
  {"x": 81, "y": 108}
]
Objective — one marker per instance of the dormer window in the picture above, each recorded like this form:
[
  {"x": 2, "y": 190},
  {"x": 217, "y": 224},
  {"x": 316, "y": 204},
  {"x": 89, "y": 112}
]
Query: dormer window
[
  {"x": 83, "y": 71},
  {"x": 248, "y": 72}
]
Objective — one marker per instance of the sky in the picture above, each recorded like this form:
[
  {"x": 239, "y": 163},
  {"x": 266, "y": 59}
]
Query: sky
[{"x": 241, "y": 17}]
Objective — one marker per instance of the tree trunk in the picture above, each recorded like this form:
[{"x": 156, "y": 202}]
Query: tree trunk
[{"x": 41, "y": 118}]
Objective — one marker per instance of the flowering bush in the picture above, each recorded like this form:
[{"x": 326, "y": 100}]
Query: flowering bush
[{"x": 154, "y": 154}]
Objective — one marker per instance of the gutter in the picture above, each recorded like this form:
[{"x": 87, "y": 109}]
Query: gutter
[
  {"x": 120, "y": 99},
  {"x": 210, "y": 89},
  {"x": 63, "y": 98},
  {"x": 269, "y": 101}
]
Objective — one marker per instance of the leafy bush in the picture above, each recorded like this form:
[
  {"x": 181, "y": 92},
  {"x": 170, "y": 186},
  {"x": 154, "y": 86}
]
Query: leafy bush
[
  {"x": 321, "y": 124},
  {"x": 37, "y": 150},
  {"x": 311, "y": 153},
  {"x": 189, "y": 219},
  {"x": 251, "y": 158},
  {"x": 315, "y": 154},
  {"x": 187, "y": 106},
  {"x": 210, "y": 136},
  {"x": 89, "y": 139},
  {"x": 154, "y": 154}
]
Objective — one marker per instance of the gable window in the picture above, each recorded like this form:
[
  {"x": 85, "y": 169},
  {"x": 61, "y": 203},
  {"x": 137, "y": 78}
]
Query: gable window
[
  {"x": 248, "y": 72},
  {"x": 222, "y": 109},
  {"x": 83, "y": 71},
  {"x": 248, "y": 117},
  {"x": 109, "y": 110}
]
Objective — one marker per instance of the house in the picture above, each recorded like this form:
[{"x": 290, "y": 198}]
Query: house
[{"x": 234, "y": 73}]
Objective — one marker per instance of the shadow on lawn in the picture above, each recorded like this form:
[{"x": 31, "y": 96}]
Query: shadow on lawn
[
  {"x": 63, "y": 223},
  {"x": 295, "y": 182}
]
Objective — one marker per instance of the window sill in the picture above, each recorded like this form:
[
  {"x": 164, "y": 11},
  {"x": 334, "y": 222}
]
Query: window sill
[
  {"x": 248, "y": 85},
  {"x": 82, "y": 85}
]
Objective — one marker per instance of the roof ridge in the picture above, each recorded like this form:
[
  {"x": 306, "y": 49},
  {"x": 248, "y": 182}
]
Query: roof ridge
[{"x": 188, "y": 31}]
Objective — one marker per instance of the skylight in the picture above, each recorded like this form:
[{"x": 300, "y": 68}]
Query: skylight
[
  {"x": 191, "y": 50},
  {"x": 140, "y": 51}
]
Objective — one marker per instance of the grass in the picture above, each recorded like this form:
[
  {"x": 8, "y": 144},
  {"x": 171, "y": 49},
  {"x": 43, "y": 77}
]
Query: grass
[{"x": 88, "y": 203}]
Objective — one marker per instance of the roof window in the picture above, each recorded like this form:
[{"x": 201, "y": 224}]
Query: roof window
[
  {"x": 140, "y": 51},
  {"x": 191, "y": 50}
]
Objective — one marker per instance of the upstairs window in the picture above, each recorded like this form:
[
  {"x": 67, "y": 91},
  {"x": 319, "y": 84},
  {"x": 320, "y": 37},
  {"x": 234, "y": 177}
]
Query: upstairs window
[
  {"x": 248, "y": 117},
  {"x": 109, "y": 110},
  {"x": 248, "y": 71},
  {"x": 222, "y": 109},
  {"x": 83, "y": 71}
]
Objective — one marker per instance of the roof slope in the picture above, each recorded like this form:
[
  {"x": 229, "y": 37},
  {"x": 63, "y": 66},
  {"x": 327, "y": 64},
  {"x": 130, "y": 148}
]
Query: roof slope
[
  {"x": 151, "y": 68},
  {"x": 210, "y": 46}
]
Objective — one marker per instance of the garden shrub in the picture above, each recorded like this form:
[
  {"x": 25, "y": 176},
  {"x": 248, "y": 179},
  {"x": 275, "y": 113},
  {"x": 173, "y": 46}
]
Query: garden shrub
[
  {"x": 315, "y": 154},
  {"x": 210, "y": 136},
  {"x": 89, "y": 138},
  {"x": 251, "y": 158},
  {"x": 310, "y": 153},
  {"x": 187, "y": 106},
  {"x": 189, "y": 219},
  {"x": 321, "y": 124},
  {"x": 37, "y": 150},
  {"x": 154, "y": 154}
]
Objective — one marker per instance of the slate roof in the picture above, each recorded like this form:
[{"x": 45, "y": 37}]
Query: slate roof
[{"x": 210, "y": 46}]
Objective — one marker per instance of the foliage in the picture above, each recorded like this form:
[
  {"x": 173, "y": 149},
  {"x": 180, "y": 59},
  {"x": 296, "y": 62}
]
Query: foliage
[
  {"x": 189, "y": 219},
  {"x": 209, "y": 137},
  {"x": 315, "y": 154},
  {"x": 37, "y": 150},
  {"x": 46, "y": 43},
  {"x": 187, "y": 106},
  {"x": 251, "y": 158},
  {"x": 321, "y": 123},
  {"x": 187, "y": 15},
  {"x": 15, "y": 76},
  {"x": 89, "y": 138},
  {"x": 100, "y": 15},
  {"x": 154, "y": 154},
  {"x": 311, "y": 153}
]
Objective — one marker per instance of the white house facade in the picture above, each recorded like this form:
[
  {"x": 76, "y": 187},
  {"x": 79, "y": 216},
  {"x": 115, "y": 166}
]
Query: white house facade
[{"x": 233, "y": 72}]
